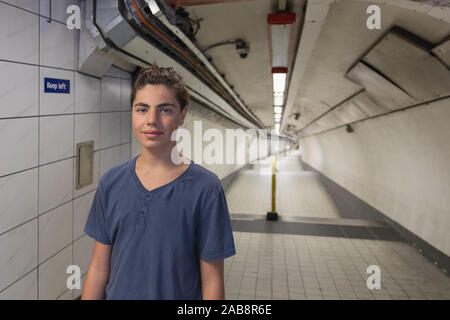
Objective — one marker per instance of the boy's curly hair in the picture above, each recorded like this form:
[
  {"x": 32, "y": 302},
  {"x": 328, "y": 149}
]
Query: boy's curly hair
[{"x": 160, "y": 75}]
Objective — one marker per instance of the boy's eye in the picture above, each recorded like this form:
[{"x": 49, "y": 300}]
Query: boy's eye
[{"x": 166, "y": 110}]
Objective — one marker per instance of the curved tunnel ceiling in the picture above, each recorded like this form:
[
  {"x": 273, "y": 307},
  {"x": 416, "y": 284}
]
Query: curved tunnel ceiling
[
  {"x": 338, "y": 73},
  {"x": 342, "y": 72},
  {"x": 251, "y": 77},
  {"x": 349, "y": 58},
  {"x": 343, "y": 42},
  {"x": 128, "y": 30}
]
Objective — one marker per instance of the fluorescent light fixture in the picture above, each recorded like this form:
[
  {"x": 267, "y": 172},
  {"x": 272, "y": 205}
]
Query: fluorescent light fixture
[
  {"x": 281, "y": 31},
  {"x": 278, "y": 98},
  {"x": 277, "y": 116},
  {"x": 279, "y": 82},
  {"x": 281, "y": 35},
  {"x": 277, "y": 109},
  {"x": 280, "y": 44},
  {"x": 277, "y": 120}
]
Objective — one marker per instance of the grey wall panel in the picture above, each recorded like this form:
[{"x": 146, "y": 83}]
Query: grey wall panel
[
  {"x": 348, "y": 112},
  {"x": 442, "y": 52},
  {"x": 411, "y": 67},
  {"x": 367, "y": 105},
  {"x": 385, "y": 95}
]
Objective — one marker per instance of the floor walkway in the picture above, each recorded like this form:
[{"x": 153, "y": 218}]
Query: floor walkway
[
  {"x": 311, "y": 252},
  {"x": 299, "y": 192}
]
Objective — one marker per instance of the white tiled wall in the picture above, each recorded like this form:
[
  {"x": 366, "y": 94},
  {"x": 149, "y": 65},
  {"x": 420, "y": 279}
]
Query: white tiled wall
[
  {"x": 42, "y": 214},
  {"x": 398, "y": 164}
]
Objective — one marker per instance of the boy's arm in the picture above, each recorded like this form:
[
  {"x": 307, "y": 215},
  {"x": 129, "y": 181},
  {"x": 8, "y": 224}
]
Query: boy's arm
[
  {"x": 212, "y": 280},
  {"x": 98, "y": 273}
]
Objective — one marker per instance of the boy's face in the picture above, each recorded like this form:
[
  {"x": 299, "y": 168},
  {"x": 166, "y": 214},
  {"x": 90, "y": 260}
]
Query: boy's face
[{"x": 156, "y": 109}]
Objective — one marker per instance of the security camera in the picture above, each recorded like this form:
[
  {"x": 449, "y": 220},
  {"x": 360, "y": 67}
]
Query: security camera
[
  {"x": 243, "y": 53},
  {"x": 242, "y": 48}
]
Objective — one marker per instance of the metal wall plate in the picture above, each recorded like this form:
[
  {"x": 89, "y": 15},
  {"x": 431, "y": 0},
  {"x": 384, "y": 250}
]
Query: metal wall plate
[{"x": 85, "y": 164}]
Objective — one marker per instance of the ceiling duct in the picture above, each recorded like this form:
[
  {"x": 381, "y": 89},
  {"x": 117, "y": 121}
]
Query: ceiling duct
[{"x": 127, "y": 33}]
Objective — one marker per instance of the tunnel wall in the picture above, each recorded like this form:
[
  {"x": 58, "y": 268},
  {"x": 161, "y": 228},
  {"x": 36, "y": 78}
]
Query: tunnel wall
[
  {"x": 397, "y": 163},
  {"x": 42, "y": 214}
]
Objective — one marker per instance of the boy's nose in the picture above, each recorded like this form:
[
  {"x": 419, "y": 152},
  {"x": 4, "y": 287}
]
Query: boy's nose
[{"x": 152, "y": 115}]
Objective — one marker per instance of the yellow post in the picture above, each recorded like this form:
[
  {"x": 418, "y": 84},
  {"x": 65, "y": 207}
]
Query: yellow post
[
  {"x": 274, "y": 183},
  {"x": 273, "y": 215}
]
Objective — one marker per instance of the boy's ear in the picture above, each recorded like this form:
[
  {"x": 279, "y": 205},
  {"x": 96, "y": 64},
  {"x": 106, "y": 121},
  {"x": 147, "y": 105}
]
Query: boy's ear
[{"x": 183, "y": 115}]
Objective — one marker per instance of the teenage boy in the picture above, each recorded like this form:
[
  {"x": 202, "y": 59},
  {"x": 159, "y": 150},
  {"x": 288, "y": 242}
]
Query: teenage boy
[{"x": 160, "y": 221}]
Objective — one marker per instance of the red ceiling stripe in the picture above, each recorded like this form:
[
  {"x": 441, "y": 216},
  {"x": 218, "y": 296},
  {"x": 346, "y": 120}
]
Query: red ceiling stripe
[
  {"x": 279, "y": 70},
  {"x": 281, "y": 18}
]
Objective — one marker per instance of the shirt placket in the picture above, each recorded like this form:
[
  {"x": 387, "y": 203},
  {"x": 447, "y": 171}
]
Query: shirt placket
[{"x": 144, "y": 210}]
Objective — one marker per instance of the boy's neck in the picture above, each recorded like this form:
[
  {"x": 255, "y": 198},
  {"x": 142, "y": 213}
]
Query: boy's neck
[{"x": 162, "y": 160}]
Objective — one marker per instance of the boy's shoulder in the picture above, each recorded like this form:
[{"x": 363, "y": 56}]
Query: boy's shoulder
[
  {"x": 204, "y": 176},
  {"x": 116, "y": 173},
  {"x": 204, "y": 182}
]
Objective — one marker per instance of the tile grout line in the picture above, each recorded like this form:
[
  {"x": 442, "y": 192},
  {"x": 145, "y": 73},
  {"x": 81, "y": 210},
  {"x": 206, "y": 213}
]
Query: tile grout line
[
  {"x": 61, "y": 114},
  {"x": 328, "y": 266},
  {"x": 316, "y": 243},
  {"x": 298, "y": 262},
  {"x": 352, "y": 260},
  {"x": 39, "y": 129},
  {"x": 17, "y": 280},
  {"x": 285, "y": 264},
  {"x": 59, "y": 160},
  {"x": 46, "y": 212},
  {"x": 245, "y": 263},
  {"x": 74, "y": 160}
]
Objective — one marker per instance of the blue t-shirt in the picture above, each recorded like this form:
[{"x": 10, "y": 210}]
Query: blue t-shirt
[{"x": 158, "y": 236}]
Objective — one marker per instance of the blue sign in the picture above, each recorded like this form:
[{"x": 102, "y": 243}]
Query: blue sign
[{"x": 53, "y": 85}]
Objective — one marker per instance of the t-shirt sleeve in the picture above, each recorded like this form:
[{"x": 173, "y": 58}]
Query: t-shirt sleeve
[
  {"x": 214, "y": 237},
  {"x": 96, "y": 225}
]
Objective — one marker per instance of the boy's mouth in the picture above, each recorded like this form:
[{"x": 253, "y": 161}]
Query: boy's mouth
[{"x": 152, "y": 133}]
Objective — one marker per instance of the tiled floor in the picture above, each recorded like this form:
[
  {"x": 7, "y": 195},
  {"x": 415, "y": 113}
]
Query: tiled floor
[
  {"x": 284, "y": 266},
  {"x": 249, "y": 193},
  {"x": 301, "y": 194},
  {"x": 312, "y": 253},
  {"x": 298, "y": 192}
]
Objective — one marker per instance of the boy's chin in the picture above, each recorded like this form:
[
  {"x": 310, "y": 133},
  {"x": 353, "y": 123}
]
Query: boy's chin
[{"x": 156, "y": 145}]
